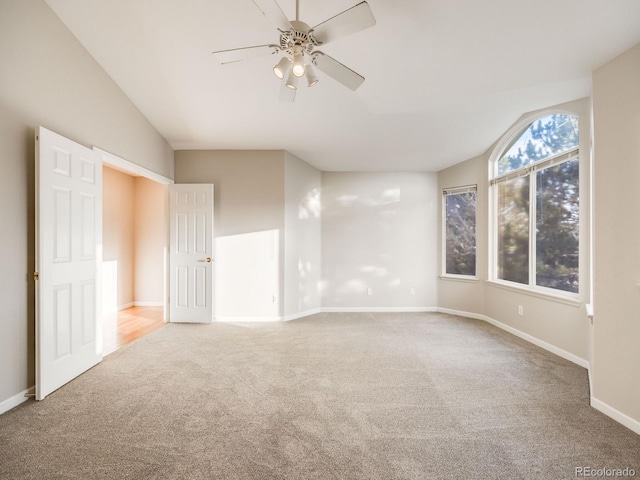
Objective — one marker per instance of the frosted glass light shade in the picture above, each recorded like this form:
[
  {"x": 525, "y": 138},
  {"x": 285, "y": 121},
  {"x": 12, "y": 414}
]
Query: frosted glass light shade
[
  {"x": 292, "y": 80},
  {"x": 280, "y": 69},
  {"x": 311, "y": 76},
  {"x": 298, "y": 64}
]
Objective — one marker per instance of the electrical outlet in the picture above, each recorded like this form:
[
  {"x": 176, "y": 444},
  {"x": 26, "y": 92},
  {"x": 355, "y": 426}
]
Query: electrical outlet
[
  {"x": 412, "y": 291},
  {"x": 520, "y": 310},
  {"x": 369, "y": 291}
]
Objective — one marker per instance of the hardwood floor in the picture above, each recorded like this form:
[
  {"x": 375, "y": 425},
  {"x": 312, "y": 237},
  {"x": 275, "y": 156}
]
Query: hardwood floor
[{"x": 128, "y": 325}]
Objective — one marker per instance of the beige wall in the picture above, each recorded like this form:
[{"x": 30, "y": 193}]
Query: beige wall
[
  {"x": 49, "y": 79},
  {"x": 302, "y": 237},
  {"x": 118, "y": 248},
  {"x": 616, "y": 108},
  {"x": 561, "y": 326},
  {"x": 248, "y": 226},
  {"x": 376, "y": 230},
  {"x": 379, "y": 231},
  {"x": 149, "y": 242}
]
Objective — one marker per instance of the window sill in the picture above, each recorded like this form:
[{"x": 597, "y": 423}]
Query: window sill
[
  {"x": 571, "y": 301},
  {"x": 460, "y": 278}
]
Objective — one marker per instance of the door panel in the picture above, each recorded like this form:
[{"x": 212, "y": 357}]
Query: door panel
[
  {"x": 68, "y": 230},
  {"x": 191, "y": 253}
]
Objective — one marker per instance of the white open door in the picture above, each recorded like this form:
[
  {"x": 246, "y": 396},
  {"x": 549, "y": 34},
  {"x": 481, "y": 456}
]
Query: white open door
[
  {"x": 191, "y": 253},
  {"x": 68, "y": 255}
]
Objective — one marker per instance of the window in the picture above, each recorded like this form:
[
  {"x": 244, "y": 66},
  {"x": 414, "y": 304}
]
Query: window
[
  {"x": 460, "y": 230},
  {"x": 535, "y": 189}
]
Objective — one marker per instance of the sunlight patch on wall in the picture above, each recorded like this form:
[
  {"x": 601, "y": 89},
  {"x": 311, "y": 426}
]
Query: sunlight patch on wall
[
  {"x": 310, "y": 206},
  {"x": 386, "y": 197},
  {"x": 247, "y": 275},
  {"x": 374, "y": 270},
  {"x": 391, "y": 195},
  {"x": 346, "y": 200},
  {"x": 352, "y": 286},
  {"x": 303, "y": 268},
  {"x": 394, "y": 283}
]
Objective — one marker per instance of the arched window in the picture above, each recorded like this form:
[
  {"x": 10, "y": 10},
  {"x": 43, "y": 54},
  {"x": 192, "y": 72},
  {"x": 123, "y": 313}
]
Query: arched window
[{"x": 535, "y": 191}]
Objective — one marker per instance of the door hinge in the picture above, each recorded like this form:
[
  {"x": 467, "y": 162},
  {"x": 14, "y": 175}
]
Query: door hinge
[{"x": 36, "y": 276}]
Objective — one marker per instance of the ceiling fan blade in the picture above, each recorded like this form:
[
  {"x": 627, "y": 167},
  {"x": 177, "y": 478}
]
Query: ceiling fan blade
[
  {"x": 350, "y": 21},
  {"x": 244, "y": 53},
  {"x": 286, "y": 94},
  {"x": 337, "y": 71},
  {"x": 274, "y": 13}
]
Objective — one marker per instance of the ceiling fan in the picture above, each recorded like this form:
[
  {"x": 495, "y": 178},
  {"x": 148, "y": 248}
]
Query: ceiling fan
[{"x": 299, "y": 41}]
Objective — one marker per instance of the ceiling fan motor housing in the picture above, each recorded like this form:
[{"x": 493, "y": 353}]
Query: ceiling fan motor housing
[{"x": 301, "y": 35}]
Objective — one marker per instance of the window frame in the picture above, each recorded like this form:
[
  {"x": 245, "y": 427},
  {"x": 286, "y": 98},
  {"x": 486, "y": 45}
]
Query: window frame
[
  {"x": 445, "y": 193},
  {"x": 507, "y": 140}
]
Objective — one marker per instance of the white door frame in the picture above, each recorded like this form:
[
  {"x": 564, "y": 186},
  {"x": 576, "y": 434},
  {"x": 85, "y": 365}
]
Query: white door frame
[{"x": 130, "y": 168}]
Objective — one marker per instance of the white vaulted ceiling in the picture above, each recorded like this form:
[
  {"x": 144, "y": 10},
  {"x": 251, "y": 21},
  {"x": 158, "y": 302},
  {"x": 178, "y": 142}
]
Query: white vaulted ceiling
[{"x": 444, "y": 78}]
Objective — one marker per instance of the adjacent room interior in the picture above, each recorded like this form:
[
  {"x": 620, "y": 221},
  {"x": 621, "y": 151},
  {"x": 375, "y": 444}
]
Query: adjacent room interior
[{"x": 133, "y": 242}]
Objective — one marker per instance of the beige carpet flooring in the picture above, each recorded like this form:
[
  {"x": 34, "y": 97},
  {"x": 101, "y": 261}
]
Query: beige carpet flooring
[{"x": 331, "y": 396}]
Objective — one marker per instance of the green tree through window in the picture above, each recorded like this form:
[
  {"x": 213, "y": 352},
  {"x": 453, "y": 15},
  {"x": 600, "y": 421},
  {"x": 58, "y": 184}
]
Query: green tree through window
[
  {"x": 557, "y": 227},
  {"x": 460, "y": 231},
  {"x": 544, "y": 138},
  {"x": 513, "y": 230},
  {"x": 537, "y": 206}
]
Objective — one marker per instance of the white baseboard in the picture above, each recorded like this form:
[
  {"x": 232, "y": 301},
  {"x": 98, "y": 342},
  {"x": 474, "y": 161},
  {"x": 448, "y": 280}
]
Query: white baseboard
[
  {"x": 631, "y": 423},
  {"x": 16, "y": 400},
  {"x": 295, "y": 316},
  {"x": 306, "y": 313},
  {"x": 377, "y": 309},
  {"x": 256, "y": 319},
  {"x": 525, "y": 336},
  {"x": 125, "y": 306},
  {"x": 148, "y": 304}
]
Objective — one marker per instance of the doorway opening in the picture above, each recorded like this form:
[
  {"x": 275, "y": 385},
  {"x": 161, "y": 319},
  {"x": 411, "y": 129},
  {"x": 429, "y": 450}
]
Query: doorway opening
[{"x": 134, "y": 246}]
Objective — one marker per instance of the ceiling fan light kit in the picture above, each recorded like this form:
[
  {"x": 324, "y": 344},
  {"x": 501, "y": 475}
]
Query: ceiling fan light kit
[
  {"x": 298, "y": 61},
  {"x": 299, "y": 41},
  {"x": 292, "y": 80},
  {"x": 311, "y": 75},
  {"x": 282, "y": 67}
]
